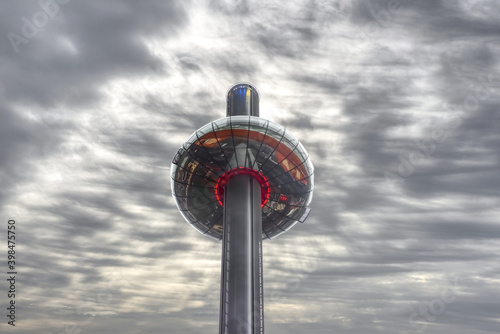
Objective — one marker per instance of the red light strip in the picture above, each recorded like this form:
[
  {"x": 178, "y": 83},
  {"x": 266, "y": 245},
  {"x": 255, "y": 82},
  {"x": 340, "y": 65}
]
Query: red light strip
[{"x": 221, "y": 183}]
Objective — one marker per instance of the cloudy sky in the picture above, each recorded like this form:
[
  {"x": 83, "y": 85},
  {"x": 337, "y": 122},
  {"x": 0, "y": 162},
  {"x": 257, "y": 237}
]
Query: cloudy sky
[{"x": 396, "y": 101}]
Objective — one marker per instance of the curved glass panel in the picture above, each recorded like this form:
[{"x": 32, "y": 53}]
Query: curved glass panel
[
  {"x": 205, "y": 129},
  {"x": 242, "y": 142}
]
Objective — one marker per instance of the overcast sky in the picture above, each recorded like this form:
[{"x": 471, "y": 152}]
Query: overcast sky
[{"x": 397, "y": 103}]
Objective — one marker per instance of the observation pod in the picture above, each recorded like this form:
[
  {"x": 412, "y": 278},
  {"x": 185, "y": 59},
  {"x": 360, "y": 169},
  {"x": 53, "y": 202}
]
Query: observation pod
[
  {"x": 242, "y": 179},
  {"x": 242, "y": 145}
]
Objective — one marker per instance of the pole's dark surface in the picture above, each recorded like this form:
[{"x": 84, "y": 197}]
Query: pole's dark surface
[
  {"x": 242, "y": 302},
  {"x": 242, "y": 99},
  {"x": 241, "y": 282}
]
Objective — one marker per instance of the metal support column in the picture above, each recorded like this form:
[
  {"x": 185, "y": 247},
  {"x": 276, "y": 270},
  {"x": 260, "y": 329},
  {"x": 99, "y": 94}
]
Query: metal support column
[{"x": 241, "y": 308}]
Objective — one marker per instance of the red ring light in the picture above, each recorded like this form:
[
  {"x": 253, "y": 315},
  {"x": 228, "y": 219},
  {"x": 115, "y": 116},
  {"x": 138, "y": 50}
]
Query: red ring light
[{"x": 221, "y": 183}]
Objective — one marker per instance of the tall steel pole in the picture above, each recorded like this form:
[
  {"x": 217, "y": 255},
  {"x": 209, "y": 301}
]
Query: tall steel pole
[
  {"x": 241, "y": 281},
  {"x": 241, "y": 302},
  {"x": 220, "y": 159}
]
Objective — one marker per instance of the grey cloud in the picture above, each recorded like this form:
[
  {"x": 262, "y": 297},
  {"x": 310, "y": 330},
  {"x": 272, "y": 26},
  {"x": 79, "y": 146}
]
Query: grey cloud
[
  {"x": 107, "y": 42},
  {"x": 366, "y": 258}
]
